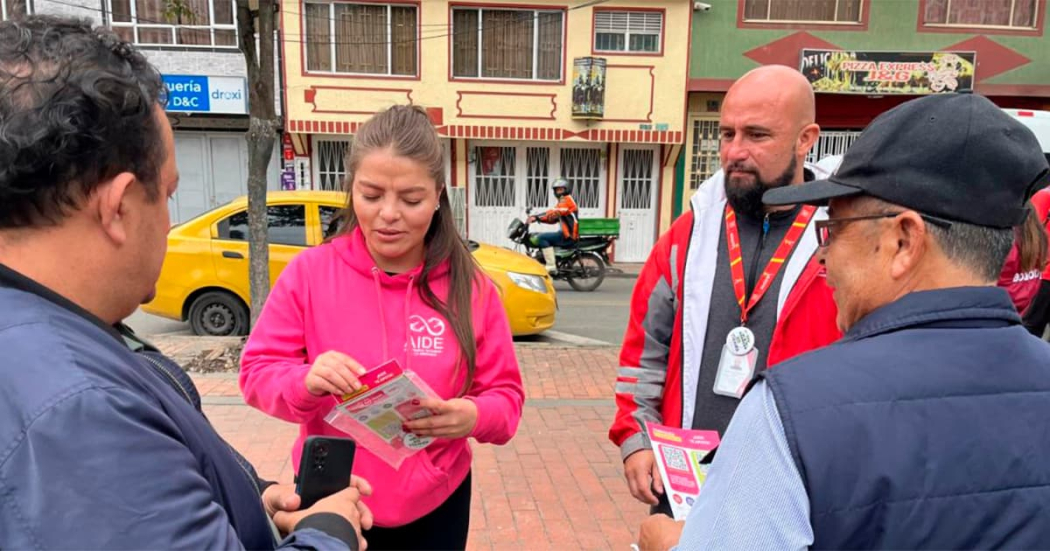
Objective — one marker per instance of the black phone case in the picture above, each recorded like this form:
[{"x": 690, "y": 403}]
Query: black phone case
[{"x": 325, "y": 468}]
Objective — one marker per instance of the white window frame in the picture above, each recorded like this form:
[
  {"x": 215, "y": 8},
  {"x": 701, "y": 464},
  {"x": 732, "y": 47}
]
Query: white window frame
[
  {"x": 627, "y": 33},
  {"x": 535, "y": 44},
  {"x": 389, "y": 40},
  {"x": 1011, "y": 27},
  {"x": 3, "y": 9},
  {"x": 135, "y": 25},
  {"x": 834, "y": 21}
]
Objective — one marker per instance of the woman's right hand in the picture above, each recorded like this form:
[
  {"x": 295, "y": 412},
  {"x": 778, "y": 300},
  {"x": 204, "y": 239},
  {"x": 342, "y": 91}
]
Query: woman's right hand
[{"x": 334, "y": 373}]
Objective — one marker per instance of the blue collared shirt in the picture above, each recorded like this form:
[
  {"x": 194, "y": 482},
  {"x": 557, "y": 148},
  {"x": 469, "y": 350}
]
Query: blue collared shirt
[{"x": 753, "y": 497}]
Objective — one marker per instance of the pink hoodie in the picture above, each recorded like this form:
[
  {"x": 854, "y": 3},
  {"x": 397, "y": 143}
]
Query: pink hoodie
[{"x": 333, "y": 297}]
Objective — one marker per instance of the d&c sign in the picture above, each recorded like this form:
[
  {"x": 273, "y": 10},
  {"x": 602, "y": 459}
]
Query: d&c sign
[{"x": 204, "y": 94}]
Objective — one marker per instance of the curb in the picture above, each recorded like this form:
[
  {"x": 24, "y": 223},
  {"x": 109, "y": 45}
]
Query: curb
[
  {"x": 627, "y": 271},
  {"x": 217, "y": 345},
  {"x": 575, "y": 341}
]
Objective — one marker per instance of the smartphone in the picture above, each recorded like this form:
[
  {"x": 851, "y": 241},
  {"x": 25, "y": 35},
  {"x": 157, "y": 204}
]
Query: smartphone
[{"x": 324, "y": 468}]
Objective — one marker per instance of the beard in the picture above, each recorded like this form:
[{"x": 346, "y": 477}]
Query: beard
[{"x": 745, "y": 187}]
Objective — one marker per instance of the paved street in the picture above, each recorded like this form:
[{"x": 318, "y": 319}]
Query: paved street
[
  {"x": 595, "y": 318},
  {"x": 557, "y": 485},
  {"x": 147, "y": 324}
]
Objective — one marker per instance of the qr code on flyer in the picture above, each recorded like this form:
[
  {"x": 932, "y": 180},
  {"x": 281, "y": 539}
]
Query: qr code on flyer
[{"x": 675, "y": 458}]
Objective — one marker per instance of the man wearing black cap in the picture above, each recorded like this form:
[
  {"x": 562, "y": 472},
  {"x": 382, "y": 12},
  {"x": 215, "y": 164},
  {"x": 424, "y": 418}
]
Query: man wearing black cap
[{"x": 925, "y": 426}]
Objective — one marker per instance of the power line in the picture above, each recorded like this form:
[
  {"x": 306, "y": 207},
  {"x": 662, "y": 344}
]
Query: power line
[
  {"x": 299, "y": 39},
  {"x": 156, "y": 22}
]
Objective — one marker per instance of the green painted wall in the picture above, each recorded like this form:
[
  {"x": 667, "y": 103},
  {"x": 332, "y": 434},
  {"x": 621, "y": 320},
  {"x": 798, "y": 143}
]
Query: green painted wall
[{"x": 718, "y": 45}]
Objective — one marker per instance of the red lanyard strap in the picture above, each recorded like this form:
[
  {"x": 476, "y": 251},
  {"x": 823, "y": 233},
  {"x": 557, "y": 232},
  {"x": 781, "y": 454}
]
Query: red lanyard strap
[{"x": 736, "y": 261}]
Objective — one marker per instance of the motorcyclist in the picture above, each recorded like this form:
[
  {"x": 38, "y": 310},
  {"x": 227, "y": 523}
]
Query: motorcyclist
[{"x": 566, "y": 214}]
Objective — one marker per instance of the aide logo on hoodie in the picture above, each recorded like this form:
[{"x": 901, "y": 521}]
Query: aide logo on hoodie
[{"x": 426, "y": 337}]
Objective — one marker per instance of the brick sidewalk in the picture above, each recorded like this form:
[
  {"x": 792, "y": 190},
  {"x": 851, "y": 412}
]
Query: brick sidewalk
[{"x": 557, "y": 485}]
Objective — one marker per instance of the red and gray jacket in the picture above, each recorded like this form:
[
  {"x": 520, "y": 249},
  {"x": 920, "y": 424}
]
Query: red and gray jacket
[{"x": 663, "y": 345}]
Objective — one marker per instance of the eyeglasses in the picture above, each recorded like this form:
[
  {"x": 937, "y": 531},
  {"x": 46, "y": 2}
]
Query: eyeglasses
[{"x": 824, "y": 226}]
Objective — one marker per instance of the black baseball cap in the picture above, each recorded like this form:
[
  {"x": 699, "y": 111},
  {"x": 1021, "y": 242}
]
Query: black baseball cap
[{"x": 954, "y": 156}]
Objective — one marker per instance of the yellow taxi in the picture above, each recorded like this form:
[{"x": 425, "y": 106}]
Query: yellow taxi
[{"x": 205, "y": 276}]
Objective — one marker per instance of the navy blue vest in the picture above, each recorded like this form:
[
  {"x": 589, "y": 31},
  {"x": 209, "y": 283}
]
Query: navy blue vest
[{"x": 926, "y": 426}]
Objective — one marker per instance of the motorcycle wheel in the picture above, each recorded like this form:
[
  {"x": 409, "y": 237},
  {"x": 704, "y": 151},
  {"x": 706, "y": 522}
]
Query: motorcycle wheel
[{"x": 585, "y": 272}]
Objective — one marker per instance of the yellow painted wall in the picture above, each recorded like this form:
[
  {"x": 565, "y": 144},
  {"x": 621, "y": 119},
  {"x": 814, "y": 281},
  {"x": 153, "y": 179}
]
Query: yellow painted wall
[
  {"x": 669, "y": 156},
  {"x": 635, "y": 83}
]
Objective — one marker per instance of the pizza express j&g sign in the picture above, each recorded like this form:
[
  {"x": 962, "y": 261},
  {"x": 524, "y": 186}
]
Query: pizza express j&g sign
[{"x": 853, "y": 72}]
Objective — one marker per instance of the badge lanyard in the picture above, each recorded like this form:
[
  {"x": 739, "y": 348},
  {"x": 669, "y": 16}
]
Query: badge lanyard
[
  {"x": 736, "y": 366},
  {"x": 736, "y": 261}
]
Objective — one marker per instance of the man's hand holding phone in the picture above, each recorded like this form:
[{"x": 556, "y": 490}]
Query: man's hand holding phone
[{"x": 282, "y": 504}]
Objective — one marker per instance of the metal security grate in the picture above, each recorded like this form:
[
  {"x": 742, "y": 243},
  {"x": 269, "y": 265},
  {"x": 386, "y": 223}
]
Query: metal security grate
[
  {"x": 330, "y": 168},
  {"x": 495, "y": 176},
  {"x": 458, "y": 198},
  {"x": 537, "y": 176},
  {"x": 636, "y": 191},
  {"x": 582, "y": 167},
  {"x": 705, "y": 161},
  {"x": 834, "y": 142}
]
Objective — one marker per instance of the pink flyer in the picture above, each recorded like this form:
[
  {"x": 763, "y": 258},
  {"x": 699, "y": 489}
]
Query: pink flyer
[{"x": 679, "y": 453}]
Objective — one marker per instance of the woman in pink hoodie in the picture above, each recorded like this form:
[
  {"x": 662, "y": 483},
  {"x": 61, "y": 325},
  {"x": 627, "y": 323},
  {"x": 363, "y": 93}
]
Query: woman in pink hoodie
[{"x": 397, "y": 282}]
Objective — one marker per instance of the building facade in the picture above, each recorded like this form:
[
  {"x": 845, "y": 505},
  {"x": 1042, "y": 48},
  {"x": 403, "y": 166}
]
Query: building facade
[
  {"x": 521, "y": 93},
  {"x": 863, "y": 58},
  {"x": 204, "y": 72}
]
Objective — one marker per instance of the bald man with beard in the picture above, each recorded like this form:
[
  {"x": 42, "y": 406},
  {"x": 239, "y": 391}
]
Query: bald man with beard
[
  {"x": 707, "y": 318},
  {"x": 766, "y": 129}
]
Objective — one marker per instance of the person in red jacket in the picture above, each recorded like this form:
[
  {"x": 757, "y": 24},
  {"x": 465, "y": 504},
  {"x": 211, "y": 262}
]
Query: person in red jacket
[
  {"x": 1026, "y": 261},
  {"x": 1037, "y": 317},
  {"x": 732, "y": 287},
  {"x": 565, "y": 214}
]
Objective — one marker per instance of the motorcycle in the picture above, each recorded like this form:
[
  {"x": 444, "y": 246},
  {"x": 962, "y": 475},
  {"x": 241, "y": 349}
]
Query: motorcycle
[{"x": 583, "y": 264}]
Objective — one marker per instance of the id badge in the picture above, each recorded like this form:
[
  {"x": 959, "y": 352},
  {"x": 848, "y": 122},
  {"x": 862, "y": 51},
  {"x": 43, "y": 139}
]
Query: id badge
[{"x": 735, "y": 372}]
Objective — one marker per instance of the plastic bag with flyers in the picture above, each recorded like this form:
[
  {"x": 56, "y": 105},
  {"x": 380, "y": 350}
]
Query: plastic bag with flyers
[{"x": 373, "y": 415}]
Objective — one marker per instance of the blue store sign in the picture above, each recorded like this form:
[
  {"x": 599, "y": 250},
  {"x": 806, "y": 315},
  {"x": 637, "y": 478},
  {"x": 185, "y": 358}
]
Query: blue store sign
[{"x": 204, "y": 94}]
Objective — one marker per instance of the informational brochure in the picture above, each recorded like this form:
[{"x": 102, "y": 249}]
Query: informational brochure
[
  {"x": 679, "y": 453},
  {"x": 374, "y": 414}
]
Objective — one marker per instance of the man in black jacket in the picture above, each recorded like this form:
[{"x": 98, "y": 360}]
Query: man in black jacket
[{"x": 99, "y": 447}]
